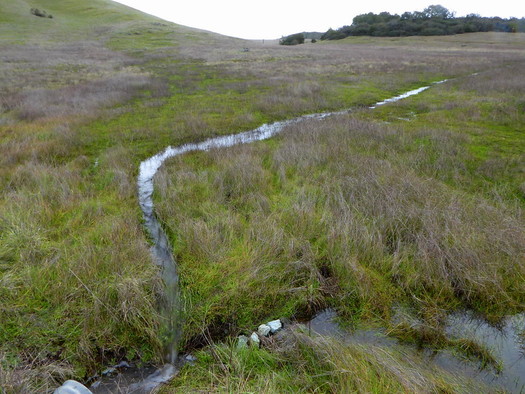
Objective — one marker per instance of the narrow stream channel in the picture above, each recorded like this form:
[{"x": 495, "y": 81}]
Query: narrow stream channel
[{"x": 161, "y": 249}]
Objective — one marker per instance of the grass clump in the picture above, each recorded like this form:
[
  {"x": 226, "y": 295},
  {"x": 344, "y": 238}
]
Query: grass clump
[{"x": 299, "y": 363}]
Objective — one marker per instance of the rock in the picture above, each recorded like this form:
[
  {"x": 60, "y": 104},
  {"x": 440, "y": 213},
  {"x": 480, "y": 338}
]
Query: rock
[
  {"x": 254, "y": 339},
  {"x": 122, "y": 364},
  {"x": 190, "y": 358},
  {"x": 275, "y": 325},
  {"x": 72, "y": 387},
  {"x": 109, "y": 371},
  {"x": 264, "y": 330},
  {"x": 242, "y": 342}
]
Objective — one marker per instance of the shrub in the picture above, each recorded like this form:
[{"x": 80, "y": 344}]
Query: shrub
[
  {"x": 40, "y": 13},
  {"x": 292, "y": 39}
]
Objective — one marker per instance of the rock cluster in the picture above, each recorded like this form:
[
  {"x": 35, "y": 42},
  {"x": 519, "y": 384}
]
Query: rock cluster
[{"x": 264, "y": 330}]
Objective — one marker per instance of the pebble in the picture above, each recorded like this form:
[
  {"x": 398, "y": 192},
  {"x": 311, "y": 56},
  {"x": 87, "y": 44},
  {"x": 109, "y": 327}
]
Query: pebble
[
  {"x": 254, "y": 339},
  {"x": 242, "y": 341},
  {"x": 264, "y": 330},
  {"x": 275, "y": 325}
]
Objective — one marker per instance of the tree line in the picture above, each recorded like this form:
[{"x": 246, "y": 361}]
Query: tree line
[
  {"x": 435, "y": 20},
  {"x": 432, "y": 21}
]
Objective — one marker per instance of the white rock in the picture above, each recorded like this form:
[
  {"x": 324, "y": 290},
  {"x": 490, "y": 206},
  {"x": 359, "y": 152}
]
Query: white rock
[
  {"x": 242, "y": 341},
  {"x": 275, "y": 325},
  {"x": 190, "y": 358},
  {"x": 254, "y": 339},
  {"x": 264, "y": 330},
  {"x": 72, "y": 387}
]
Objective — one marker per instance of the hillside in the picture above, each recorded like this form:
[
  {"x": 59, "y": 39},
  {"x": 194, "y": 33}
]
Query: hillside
[{"x": 87, "y": 95}]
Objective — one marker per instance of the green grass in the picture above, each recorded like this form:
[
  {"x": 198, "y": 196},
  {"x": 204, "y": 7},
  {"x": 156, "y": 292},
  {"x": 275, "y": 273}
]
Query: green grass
[
  {"x": 87, "y": 95},
  {"x": 311, "y": 364},
  {"x": 359, "y": 215},
  {"x": 484, "y": 111},
  {"x": 71, "y": 19}
]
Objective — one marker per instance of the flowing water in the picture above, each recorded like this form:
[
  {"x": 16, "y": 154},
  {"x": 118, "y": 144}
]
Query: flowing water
[{"x": 161, "y": 249}]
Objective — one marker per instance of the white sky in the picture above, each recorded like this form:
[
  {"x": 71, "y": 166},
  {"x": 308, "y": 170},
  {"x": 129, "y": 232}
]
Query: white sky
[{"x": 276, "y": 18}]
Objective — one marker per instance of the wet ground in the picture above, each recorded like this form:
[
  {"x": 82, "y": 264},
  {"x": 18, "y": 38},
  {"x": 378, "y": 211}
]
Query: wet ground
[{"x": 505, "y": 341}]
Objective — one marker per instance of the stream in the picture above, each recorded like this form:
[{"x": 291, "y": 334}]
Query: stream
[
  {"x": 161, "y": 249},
  {"x": 143, "y": 380}
]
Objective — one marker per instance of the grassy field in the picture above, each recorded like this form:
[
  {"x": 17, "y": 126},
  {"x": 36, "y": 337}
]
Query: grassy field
[
  {"x": 424, "y": 212},
  {"x": 416, "y": 205}
]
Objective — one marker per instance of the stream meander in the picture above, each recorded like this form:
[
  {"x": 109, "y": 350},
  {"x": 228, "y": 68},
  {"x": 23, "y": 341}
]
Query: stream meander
[
  {"x": 508, "y": 342},
  {"x": 148, "y": 168}
]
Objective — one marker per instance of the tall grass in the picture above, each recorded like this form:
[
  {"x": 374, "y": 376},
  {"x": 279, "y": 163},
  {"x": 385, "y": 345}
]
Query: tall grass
[
  {"x": 348, "y": 212},
  {"x": 88, "y": 95}
]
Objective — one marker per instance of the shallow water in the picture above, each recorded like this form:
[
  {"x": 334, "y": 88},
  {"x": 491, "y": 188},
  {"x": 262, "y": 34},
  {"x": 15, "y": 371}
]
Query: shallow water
[
  {"x": 506, "y": 342},
  {"x": 161, "y": 249},
  {"x": 325, "y": 324},
  {"x": 134, "y": 380}
]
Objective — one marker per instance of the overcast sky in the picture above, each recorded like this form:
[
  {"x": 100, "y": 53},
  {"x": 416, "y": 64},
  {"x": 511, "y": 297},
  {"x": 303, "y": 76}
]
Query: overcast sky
[{"x": 277, "y": 18}]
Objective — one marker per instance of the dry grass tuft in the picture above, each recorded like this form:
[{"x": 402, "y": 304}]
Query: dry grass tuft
[{"x": 77, "y": 99}]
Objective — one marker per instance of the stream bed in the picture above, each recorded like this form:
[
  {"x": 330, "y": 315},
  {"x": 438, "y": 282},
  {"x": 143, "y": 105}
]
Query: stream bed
[
  {"x": 161, "y": 249},
  {"x": 508, "y": 339}
]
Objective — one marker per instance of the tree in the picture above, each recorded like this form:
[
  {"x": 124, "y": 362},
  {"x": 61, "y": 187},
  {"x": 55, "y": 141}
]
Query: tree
[
  {"x": 437, "y": 11},
  {"x": 293, "y": 39},
  {"x": 433, "y": 20}
]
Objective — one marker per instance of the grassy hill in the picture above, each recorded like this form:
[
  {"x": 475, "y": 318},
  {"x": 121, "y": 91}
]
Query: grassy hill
[{"x": 86, "y": 95}]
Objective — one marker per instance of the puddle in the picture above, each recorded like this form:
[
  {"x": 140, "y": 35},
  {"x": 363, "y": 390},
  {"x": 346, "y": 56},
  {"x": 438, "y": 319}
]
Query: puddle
[
  {"x": 506, "y": 342},
  {"x": 325, "y": 324}
]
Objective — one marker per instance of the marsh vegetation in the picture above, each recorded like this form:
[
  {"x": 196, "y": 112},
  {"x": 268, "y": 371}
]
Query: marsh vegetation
[{"x": 418, "y": 204}]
